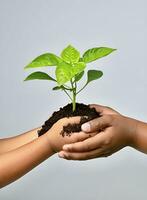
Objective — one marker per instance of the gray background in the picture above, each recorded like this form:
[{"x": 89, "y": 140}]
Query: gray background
[{"x": 29, "y": 28}]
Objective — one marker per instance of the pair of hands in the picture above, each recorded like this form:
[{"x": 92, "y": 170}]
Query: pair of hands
[{"x": 100, "y": 137}]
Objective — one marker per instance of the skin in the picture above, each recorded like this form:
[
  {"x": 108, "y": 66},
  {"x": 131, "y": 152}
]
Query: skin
[
  {"x": 20, "y": 154},
  {"x": 113, "y": 132},
  {"x": 9, "y": 144}
]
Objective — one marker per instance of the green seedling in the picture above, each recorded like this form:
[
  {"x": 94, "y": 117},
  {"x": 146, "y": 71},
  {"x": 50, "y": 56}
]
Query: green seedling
[{"x": 69, "y": 69}]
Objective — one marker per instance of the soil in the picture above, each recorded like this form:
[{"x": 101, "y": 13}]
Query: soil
[{"x": 82, "y": 110}]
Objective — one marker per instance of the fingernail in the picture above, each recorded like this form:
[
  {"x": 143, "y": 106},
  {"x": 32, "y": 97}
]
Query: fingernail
[
  {"x": 86, "y": 127},
  {"x": 61, "y": 155},
  {"x": 66, "y": 147}
]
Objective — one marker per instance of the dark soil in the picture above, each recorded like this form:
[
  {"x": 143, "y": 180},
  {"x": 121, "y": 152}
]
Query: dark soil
[{"x": 82, "y": 110}]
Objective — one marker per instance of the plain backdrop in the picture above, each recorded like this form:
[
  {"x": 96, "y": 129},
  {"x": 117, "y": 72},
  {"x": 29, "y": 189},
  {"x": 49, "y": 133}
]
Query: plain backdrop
[{"x": 30, "y": 28}]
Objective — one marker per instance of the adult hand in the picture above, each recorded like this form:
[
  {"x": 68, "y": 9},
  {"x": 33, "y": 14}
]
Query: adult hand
[{"x": 114, "y": 131}]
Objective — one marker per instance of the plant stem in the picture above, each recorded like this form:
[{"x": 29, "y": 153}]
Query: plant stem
[
  {"x": 74, "y": 102},
  {"x": 67, "y": 88},
  {"x": 67, "y": 94},
  {"x": 82, "y": 88},
  {"x": 74, "y": 96}
]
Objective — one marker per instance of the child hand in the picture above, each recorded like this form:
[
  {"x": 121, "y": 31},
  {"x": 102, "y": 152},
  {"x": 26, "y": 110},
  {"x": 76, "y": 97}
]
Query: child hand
[{"x": 55, "y": 137}]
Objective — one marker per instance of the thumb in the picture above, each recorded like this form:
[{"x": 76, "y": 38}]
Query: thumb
[{"x": 97, "y": 124}]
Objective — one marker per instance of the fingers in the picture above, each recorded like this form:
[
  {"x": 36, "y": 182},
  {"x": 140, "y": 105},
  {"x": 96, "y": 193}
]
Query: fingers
[
  {"x": 98, "y": 108},
  {"x": 86, "y": 145},
  {"x": 78, "y": 137},
  {"x": 104, "y": 110},
  {"x": 97, "y": 153},
  {"x": 97, "y": 124}
]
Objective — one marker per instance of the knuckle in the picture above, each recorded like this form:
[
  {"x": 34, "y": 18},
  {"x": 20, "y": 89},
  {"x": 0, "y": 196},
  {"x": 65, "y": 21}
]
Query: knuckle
[
  {"x": 108, "y": 117},
  {"x": 107, "y": 142}
]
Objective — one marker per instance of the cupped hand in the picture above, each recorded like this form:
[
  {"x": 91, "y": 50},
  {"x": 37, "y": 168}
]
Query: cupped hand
[
  {"x": 57, "y": 140},
  {"x": 114, "y": 131}
]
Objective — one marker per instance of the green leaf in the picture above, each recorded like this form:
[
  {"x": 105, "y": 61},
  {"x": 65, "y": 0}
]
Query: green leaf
[
  {"x": 40, "y": 76},
  {"x": 47, "y": 59},
  {"x": 79, "y": 76},
  {"x": 64, "y": 73},
  {"x": 96, "y": 53},
  {"x": 70, "y": 54},
  {"x": 78, "y": 67},
  {"x": 93, "y": 75},
  {"x": 58, "y": 88}
]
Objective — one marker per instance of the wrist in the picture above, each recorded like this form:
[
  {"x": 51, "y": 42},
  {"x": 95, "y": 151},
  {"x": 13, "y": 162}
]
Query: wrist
[
  {"x": 132, "y": 130},
  {"x": 140, "y": 137},
  {"x": 49, "y": 143},
  {"x": 50, "y": 139}
]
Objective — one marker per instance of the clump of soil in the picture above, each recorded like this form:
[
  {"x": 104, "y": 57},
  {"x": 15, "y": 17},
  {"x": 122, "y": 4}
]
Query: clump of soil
[{"x": 82, "y": 110}]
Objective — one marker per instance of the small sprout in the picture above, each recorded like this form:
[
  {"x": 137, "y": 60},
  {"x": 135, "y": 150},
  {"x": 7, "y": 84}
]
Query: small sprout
[{"x": 70, "y": 68}]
